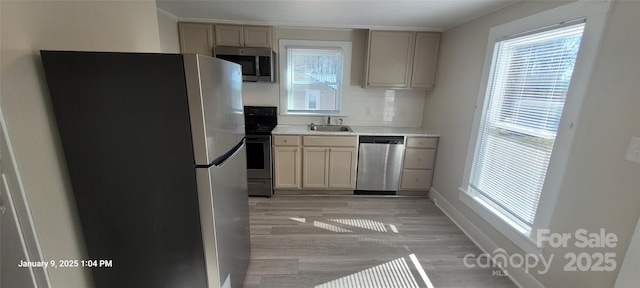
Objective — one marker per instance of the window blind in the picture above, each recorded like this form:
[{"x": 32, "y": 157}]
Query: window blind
[{"x": 525, "y": 97}]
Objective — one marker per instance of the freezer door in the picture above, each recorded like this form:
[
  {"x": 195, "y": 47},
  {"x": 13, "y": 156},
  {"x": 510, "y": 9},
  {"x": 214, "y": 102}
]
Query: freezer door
[
  {"x": 224, "y": 213},
  {"x": 214, "y": 90}
]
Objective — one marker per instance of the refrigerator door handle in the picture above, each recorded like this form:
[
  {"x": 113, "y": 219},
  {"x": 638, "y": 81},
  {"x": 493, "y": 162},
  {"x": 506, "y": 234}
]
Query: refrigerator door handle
[{"x": 220, "y": 161}]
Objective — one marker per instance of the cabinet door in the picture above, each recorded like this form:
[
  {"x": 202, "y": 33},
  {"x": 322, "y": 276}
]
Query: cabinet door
[
  {"x": 286, "y": 164},
  {"x": 195, "y": 38},
  {"x": 419, "y": 158},
  {"x": 257, "y": 36},
  {"x": 229, "y": 35},
  {"x": 342, "y": 168},
  {"x": 416, "y": 179},
  {"x": 390, "y": 58},
  {"x": 425, "y": 60},
  {"x": 314, "y": 172}
]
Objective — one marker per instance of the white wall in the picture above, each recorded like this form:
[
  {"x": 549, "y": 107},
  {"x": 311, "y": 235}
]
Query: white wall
[
  {"x": 599, "y": 189},
  {"x": 27, "y": 27},
  {"x": 628, "y": 276},
  {"x": 168, "y": 28}
]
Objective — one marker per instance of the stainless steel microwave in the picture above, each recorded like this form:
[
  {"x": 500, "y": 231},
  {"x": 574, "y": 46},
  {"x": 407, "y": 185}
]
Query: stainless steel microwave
[{"x": 258, "y": 64}]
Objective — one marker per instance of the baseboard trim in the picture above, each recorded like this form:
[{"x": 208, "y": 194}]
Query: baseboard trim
[
  {"x": 412, "y": 193},
  {"x": 517, "y": 275},
  {"x": 300, "y": 192}
]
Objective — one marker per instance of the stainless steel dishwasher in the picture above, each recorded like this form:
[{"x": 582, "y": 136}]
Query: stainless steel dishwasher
[{"x": 379, "y": 164}]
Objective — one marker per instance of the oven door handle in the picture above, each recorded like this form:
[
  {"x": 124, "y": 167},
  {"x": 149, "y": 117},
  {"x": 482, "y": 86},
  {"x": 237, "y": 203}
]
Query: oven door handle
[{"x": 254, "y": 139}]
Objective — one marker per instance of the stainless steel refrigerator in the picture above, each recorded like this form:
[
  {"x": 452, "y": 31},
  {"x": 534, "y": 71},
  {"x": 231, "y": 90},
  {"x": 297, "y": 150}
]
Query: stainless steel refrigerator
[{"x": 154, "y": 147}]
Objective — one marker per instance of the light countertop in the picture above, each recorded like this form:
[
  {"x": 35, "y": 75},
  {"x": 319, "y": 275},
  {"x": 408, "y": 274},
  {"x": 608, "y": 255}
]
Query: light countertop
[{"x": 357, "y": 130}]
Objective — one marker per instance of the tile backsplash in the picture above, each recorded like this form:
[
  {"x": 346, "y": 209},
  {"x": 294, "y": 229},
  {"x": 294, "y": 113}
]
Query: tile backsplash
[{"x": 360, "y": 107}]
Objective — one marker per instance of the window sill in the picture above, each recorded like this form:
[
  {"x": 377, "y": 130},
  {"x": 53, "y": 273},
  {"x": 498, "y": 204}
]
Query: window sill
[{"x": 518, "y": 235}]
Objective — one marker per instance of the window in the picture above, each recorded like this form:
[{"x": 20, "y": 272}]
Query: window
[
  {"x": 525, "y": 97},
  {"x": 535, "y": 75},
  {"x": 314, "y": 76}
]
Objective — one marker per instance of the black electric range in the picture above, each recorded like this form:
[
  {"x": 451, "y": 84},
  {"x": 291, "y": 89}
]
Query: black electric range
[{"x": 259, "y": 122}]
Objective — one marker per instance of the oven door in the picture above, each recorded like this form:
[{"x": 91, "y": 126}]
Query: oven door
[{"x": 258, "y": 156}]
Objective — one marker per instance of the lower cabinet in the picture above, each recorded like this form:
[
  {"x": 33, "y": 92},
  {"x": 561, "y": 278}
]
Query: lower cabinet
[
  {"x": 342, "y": 168},
  {"x": 329, "y": 162},
  {"x": 419, "y": 160},
  {"x": 416, "y": 179},
  {"x": 315, "y": 162},
  {"x": 286, "y": 166},
  {"x": 315, "y": 168},
  {"x": 331, "y": 167},
  {"x": 287, "y": 161}
]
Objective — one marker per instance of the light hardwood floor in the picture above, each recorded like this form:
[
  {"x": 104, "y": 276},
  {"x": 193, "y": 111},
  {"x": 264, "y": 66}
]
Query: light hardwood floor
[{"x": 359, "y": 241}]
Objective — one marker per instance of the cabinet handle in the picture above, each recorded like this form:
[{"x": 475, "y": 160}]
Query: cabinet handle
[{"x": 285, "y": 140}]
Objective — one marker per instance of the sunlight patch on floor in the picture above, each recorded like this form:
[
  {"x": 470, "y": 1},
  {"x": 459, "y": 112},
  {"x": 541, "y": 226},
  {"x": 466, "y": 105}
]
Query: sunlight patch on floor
[
  {"x": 377, "y": 241},
  {"x": 298, "y": 219},
  {"x": 362, "y": 223},
  {"x": 423, "y": 274},
  {"x": 330, "y": 227},
  {"x": 393, "y": 274}
]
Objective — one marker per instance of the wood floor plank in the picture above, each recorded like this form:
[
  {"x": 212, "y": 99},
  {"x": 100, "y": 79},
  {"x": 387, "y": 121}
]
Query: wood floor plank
[
  {"x": 273, "y": 266},
  {"x": 334, "y": 240}
]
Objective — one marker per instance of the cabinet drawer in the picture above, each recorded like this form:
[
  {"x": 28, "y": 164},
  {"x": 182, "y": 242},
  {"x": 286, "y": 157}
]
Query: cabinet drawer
[
  {"x": 416, "y": 179},
  {"x": 330, "y": 141},
  {"x": 419, "y": 158},
  {"x": 286, "y": 140},
  {"x": 422, "y": 142}
]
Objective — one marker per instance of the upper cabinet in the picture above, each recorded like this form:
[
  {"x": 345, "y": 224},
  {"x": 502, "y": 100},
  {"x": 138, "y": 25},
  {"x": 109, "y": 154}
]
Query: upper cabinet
[
  {"x": 243, "y": 36},
  {"x": 401, "y": 59},
  {"x": 196, "y": 38},
  {"x": 202, "y": 37},
  {"x": 425, "y": 60},
  {"x": 389, "y": 59}
]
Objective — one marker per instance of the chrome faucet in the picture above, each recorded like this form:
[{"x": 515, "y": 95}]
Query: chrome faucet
[{"x": 328, "y": 119}]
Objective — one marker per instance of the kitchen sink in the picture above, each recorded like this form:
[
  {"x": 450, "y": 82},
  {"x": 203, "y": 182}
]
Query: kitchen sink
[{"x": 330, "y": 128}]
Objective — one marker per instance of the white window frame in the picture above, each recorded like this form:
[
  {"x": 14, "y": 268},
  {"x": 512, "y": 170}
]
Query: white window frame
[
  {"x": 344, "y": 46},
  {"x": 595, "y": 14}
]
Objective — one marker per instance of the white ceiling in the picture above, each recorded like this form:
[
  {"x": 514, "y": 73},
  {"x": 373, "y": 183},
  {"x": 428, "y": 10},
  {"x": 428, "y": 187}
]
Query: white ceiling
[{"x": 400, "y": 14}]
